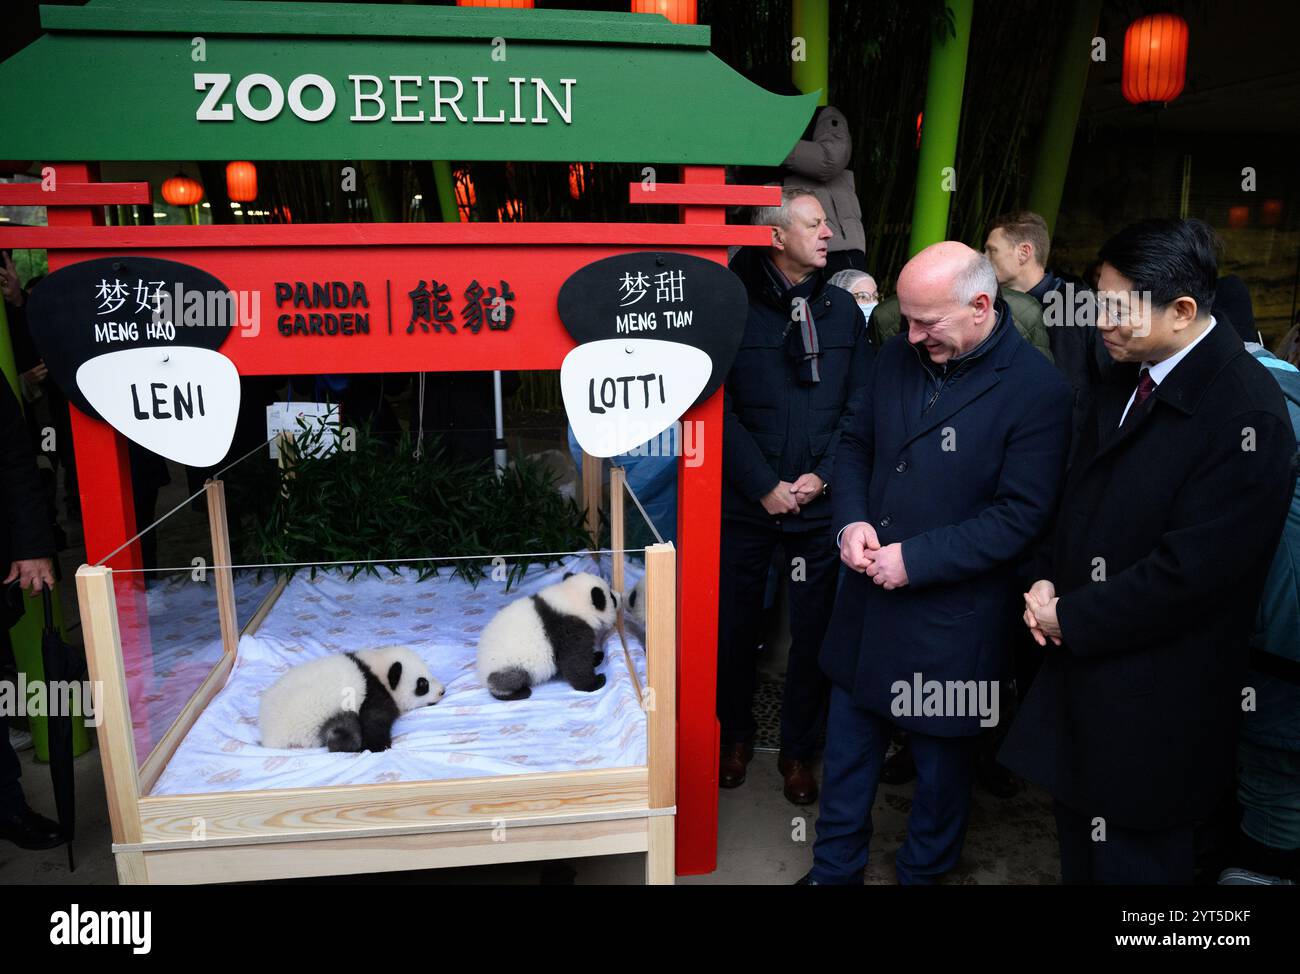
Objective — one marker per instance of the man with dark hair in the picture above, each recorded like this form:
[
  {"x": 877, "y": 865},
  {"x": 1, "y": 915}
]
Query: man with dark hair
[
  {"x": 787, "y": 400},
  {"x": 1018, "y": 245},
  {"x": 1146, "y": 594}
]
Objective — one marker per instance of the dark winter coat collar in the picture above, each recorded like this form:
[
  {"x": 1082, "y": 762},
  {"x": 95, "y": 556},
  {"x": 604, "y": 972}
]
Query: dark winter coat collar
[{"x": 754, "y": 268}]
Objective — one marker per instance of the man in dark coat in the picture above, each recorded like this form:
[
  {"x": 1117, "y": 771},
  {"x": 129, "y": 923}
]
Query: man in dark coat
[
  {"x": 787, "y": 400},
  {"x": 946, "y": 478},
  {"x": 1147, "y": 593},
  {"x": 1018, "y": 246},
  {"x": 27, "y": 552}
]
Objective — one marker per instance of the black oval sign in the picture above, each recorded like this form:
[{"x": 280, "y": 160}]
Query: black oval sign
[
  {"x": 662, "y": 295},
  {"x": 113, "y": 303}
]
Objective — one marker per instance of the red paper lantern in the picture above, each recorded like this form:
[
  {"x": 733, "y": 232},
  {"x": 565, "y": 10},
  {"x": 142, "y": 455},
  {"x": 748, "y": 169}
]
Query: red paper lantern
[
  {"x": 678, "y": 11},
  {"x": 180, "y": 190},
  {"x": 1238, "y": 217},
  {"x": 1270, "y": 213},
  {"x": 1155, "y": 58},
  {"x": 465, "y": 198},
  {"x": 512, "y": 212},
  {"x": 241, "y": 182},
  {"x": 577, "y": 180}
]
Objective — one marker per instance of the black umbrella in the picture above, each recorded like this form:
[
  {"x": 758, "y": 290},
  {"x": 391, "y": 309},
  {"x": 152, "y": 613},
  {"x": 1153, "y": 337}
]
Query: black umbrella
[{"x": 60, "y": 662}]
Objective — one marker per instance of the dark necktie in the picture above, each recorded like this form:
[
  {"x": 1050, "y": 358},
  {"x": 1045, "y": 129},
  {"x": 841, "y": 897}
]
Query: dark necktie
[{"x": 1146, "y": 385}]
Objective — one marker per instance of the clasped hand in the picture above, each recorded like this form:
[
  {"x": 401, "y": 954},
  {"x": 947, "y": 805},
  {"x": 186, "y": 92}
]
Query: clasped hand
[
  {"x": 861, "y": 550},
  {"x": 1040, "y": 613}
]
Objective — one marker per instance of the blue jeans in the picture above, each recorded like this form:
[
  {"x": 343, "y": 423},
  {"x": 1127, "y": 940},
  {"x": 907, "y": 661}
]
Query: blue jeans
[{"x": 856, "y": 741}]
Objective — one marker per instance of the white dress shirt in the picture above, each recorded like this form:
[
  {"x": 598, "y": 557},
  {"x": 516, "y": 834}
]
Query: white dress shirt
[{"x": 1160, "y": 370}]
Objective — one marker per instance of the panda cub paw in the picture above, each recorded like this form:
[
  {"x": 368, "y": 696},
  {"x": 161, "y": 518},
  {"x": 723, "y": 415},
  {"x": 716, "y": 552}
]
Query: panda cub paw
[{"x": 598, "y": 658}]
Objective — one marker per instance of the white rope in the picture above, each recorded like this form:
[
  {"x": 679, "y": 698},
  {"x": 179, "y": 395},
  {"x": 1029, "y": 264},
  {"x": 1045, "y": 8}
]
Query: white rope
[
  {"x": 418, "y": 452},
  {"x": 203, "y": 490},
  {"x": 637, "y": 501}
]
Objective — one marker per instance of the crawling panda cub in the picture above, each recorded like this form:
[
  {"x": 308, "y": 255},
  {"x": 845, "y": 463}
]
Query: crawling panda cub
[
  {"x": 554, "y": 631},
  {"x": 347, "y": 701}
]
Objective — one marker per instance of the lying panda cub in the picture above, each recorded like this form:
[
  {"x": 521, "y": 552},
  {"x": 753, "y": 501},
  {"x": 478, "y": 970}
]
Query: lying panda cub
[
  {"x": 348, "y": 701},
  {"x": 533, "y": 638}
]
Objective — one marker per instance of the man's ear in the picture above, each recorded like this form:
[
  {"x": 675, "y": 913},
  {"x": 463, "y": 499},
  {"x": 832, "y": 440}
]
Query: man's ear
[
  {"x": 1185, "y": 311},
  {"x": 777, "y": 242},
  {"x": 1025, "y": 252}
]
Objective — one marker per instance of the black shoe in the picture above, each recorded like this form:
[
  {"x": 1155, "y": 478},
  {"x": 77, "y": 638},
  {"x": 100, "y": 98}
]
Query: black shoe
[
  {"x": 899, "y": 769},
  {"x": 997, "y": 780},
  {"x": 27, "y": 830}
]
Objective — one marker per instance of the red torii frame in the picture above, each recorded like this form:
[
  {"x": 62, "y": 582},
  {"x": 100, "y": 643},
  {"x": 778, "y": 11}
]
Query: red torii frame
[{"x": 536, "y": 258}]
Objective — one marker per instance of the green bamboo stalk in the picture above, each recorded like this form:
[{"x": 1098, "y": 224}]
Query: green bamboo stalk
[{"x": 941, "y": 121}]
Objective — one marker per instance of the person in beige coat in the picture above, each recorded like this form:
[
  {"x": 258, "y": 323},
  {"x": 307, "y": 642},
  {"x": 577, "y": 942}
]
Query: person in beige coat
[{"x": 820, "y": 163}]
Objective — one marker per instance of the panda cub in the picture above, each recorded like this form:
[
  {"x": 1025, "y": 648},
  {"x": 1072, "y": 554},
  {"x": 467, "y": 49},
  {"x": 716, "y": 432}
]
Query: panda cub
[
  {"x": 348, "y": 701},
  {"x": 554, "y": 631}
]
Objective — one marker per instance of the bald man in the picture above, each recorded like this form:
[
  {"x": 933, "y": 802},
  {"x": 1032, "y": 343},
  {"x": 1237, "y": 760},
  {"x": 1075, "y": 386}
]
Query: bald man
[{"x": 945, "y": 479}]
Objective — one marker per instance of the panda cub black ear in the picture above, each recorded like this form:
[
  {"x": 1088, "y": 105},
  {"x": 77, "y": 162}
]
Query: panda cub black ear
[
  {"x": 394, "y": 676},
  {"x": 567, "y": 575},
  {"x": 598, "y": 598}
]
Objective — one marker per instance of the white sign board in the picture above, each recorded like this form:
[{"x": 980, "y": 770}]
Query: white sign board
[
  {"x": 621, "y": 392},
  {"x": 179, "y": 401}
]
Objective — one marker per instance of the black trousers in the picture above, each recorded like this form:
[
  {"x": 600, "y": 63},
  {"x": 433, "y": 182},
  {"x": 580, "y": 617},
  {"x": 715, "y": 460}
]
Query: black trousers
[
  {"x": 1122, "y": 855},
  {"x": 746, "y": 553}
]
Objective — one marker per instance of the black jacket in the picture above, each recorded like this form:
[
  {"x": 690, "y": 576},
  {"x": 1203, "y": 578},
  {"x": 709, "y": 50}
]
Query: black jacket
[
  {"x": 27, "y": 532},
  {"x": 1077, "y": 349},
  {"x": 1162, "y": 541},
  {"x": 776, "y": 427},
  {"x": 967, "y": 486}
]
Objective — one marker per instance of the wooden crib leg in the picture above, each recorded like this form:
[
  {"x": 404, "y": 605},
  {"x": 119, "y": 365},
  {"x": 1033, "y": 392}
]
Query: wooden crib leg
[
  {"x": 131, "y": 870},
  {"x": 660, "y": 859}
]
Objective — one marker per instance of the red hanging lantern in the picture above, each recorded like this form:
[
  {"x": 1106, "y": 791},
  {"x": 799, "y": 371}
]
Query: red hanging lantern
[
  {"x": 180, "y": 190},
  {"x": 1155, "y": 59},
  {"x": 577, "y": 179},
  {"x": 1238, "y": 217},
  {"x": 241, "y": 182},
  {"x": 512, "y": 212},
  {"x": 678, "y": 11},
  {"x": 1270, "y": 213},
  {"x": 465, "y": 198}
]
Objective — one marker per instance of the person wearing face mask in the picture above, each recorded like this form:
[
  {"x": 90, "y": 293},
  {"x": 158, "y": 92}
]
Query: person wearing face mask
[
  {"x": 803, "y": 358},
  {"x": 862, "y": 286}
]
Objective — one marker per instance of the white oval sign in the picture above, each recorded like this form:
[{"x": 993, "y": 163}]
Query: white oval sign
[
  {"x": 179, "y": 401},
  {"x": 621, "y": 392}
]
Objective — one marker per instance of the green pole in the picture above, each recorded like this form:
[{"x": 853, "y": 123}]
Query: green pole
[
  {"x": 446, "y": 184},
  {"x": 811, "y": 21},
  {"x": 935, "y": 180},
  {"x": 1052, "y": 160}
]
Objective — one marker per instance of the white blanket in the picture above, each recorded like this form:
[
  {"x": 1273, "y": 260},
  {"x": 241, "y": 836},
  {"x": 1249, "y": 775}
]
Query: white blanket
[{"x": 467, "y": 734}]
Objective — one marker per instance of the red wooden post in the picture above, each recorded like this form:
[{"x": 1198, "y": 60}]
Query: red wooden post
[
  {"x": 699, "y": 526},
  {"x": 104, "y": 479}
]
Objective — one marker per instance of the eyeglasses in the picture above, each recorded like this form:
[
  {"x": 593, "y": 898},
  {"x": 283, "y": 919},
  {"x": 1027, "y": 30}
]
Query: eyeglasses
[
  {"x": 868, "y": 297},
  {"x": 1113, "y": 313}
]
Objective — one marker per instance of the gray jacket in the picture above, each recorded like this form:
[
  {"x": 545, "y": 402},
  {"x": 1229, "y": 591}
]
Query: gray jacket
[{"x": 821, "y": 164}]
